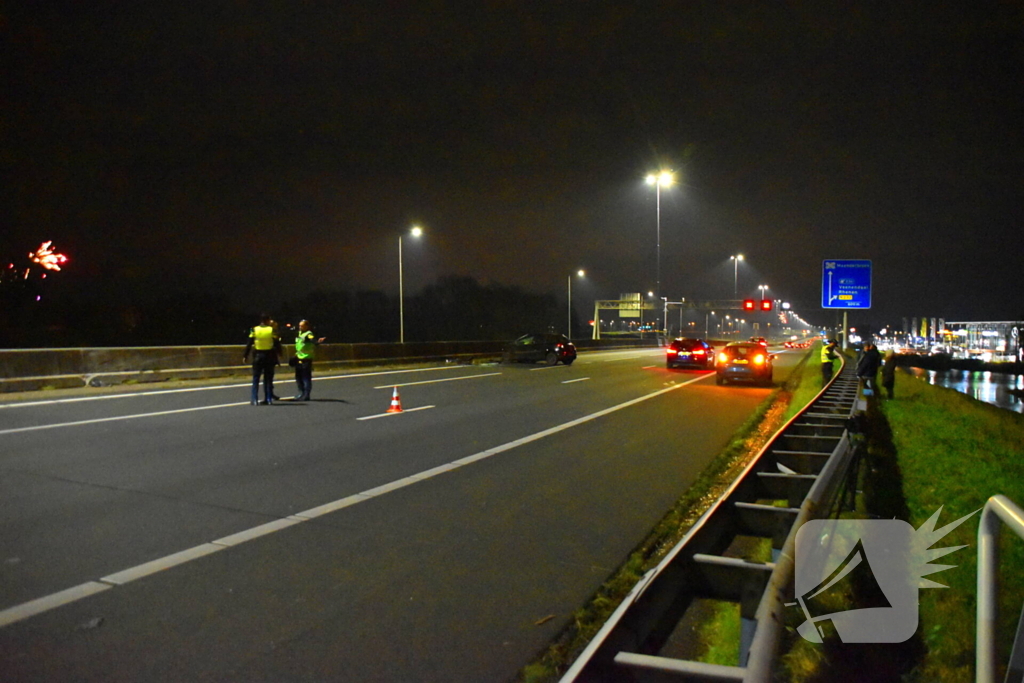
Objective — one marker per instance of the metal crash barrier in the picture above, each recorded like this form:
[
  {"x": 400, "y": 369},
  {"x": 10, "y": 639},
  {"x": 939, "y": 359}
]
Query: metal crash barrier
[
  {"x": 998, "y": 510},
  {"x": 796, "y": 477}
]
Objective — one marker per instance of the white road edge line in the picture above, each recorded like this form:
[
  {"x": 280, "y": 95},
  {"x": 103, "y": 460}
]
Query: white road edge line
[
  {"x": 160, "y": 392},
  {"x": 435, "y": 381},
  {"x": 33, "y": 607},
  {"x": 98, "y": 420}
]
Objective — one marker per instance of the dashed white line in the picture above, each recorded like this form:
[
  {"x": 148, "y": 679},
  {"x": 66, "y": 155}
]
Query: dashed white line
[
  {"x": 570, "y": 381},
  {"x": 407, "y": 410}
]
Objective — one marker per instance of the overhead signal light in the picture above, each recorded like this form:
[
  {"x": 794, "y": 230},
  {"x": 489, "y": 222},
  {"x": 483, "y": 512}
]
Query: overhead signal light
[
  {"x": 766, "y": 304},
  {"x": 748, "y": 305}
]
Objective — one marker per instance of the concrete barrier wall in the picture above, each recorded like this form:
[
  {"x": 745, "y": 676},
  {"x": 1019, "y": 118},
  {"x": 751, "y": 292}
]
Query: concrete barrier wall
[{"x": 30, "y": 369}]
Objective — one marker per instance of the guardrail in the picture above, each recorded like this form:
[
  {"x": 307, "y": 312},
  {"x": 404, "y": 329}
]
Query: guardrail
[
  {"x": 796, "y": 477},
  {"x": 998, "y": 509}
]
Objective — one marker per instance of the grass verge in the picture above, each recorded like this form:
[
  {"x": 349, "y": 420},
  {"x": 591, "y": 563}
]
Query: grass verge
[
  {"x": 932, "y": 447},
  {"x": 709, "y": 486}
]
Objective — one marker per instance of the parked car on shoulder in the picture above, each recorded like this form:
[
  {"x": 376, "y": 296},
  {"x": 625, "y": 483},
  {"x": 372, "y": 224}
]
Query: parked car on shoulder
[
  {"x": 689, "y": 353},
  {"x": 744, "y": 362},
  {"x": 531, "y": 348}
]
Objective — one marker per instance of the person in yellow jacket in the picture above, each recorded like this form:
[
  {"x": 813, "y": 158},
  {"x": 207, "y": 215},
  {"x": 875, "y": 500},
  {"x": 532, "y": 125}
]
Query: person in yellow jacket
[
  {"x": 305, "y": 349},
  {"x": 828, "y": 355},
  {"x": 265, "y": 343}
]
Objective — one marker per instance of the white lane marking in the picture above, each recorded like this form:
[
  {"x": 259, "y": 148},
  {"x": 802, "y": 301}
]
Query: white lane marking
[
  {"x": 648, "y": 367},
  {"x": 160, "y": 392},
  {"x": 98, "y": 420},
  {"x": 435, "y": 381},
  {"x": 570, "y": 381},
  {"x": 158, "y": 565},
  {"x": 407, "y": 410},
  {"x": 546, "y": 367},
  {"x": 54, "y": 600}
]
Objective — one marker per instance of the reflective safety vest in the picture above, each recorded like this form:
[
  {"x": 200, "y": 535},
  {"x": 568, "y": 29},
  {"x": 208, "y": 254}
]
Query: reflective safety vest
[
  {"x": 305, "y": 345},
  {"x": 825, "y": 351},
  {"x": 263, "y": 336}
]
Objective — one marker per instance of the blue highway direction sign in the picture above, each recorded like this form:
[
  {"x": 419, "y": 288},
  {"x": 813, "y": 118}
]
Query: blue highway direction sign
[{"x": 846, "y": 284}]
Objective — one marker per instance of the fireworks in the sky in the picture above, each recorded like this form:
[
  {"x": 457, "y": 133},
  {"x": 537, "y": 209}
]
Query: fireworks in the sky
[{"x": 45, "y": 257}]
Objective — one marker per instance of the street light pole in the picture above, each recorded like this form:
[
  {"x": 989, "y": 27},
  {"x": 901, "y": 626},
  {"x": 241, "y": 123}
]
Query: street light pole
[
  {"x": 736, "y": 273},
  {"x": 415, "y": 232},
  {"x": 580, "y": 273},
  {"x": 662, "y": 179}
]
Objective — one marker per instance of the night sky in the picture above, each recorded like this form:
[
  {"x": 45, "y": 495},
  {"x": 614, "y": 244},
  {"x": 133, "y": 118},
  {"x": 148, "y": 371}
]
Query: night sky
[{"x": 266, "y": 149}]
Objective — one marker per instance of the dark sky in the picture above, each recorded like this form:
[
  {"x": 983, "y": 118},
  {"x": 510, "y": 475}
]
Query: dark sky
[{"x": 268, "y": 148}]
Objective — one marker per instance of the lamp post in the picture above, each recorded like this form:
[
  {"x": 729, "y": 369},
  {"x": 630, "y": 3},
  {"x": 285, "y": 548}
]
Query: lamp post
[
  {"x": 579, "y": 273},
  {"x": 707, "y": 317},
  {"x": 763, "y": 289},
  {"x": 416, "y": 231},
  {"x": 736, "y": 273},
  {"x": 659, "y": 180}
]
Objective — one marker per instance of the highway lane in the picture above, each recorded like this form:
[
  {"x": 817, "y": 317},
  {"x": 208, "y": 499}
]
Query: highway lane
[{"x": 440, "y": 579}]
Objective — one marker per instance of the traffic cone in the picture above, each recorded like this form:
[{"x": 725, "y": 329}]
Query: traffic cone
[{"x": 396, "y": 403}]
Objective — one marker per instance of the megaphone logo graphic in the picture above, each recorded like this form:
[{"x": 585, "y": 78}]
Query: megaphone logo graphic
[{"x": 882, "y": 563}]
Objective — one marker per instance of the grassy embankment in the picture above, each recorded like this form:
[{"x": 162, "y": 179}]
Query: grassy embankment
[
  {"x": 929, "y": 448},
  {"x": 745, "y": 443}
]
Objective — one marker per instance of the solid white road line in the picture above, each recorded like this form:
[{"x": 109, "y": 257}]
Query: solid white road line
[
  {"x": 435, "y": 381},
  {"x": 98, "y": 420},
  {"x": 46, "y": 603},
  {"x": 160, "y": 392}
]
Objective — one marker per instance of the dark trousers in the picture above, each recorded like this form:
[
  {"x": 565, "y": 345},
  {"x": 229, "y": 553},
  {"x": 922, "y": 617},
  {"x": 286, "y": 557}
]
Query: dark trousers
[
  {"x": 826, "y": 372},
  {"x": 304, "y": 378},
  {"x": 263, "y": 363}
]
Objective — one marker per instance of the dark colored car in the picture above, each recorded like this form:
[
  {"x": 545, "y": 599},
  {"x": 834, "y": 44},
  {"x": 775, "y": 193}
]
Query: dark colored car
[
  {"x": 760, "y": 340},
  {"x": 744, "y": 362},
  {"x": 550, "y": 348},
  {"x": 689, "y": 353}
]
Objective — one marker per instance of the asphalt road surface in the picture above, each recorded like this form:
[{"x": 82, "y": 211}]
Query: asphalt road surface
[{"x": 185, "y": 535}]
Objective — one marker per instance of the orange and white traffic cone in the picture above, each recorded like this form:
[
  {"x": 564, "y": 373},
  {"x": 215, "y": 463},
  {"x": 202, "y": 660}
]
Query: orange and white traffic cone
[{"x": 396, "y": 403}]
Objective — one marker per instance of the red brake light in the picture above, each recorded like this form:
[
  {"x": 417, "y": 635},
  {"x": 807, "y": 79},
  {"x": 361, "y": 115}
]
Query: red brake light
[
  {"x": 671, "y": 351},
  {"x": 699, "y": 352},
  {"x": 758, "y": 359}
]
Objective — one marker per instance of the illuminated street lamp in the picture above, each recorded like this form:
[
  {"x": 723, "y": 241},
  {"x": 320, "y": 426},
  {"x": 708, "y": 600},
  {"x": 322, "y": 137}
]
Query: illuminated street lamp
[
  {"x": 579, "y": 273},
  {"x": 415, "y": 232},
  {"x": 707, "y": 316},
  {"x": 659, "y": 180},
  {"x": 735, "y": 272},
  {"x": 763, "y": 289}
]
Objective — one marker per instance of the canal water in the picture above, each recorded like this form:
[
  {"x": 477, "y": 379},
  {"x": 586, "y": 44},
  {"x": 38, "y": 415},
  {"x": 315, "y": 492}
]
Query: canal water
[{"x": 990, "y": 387}]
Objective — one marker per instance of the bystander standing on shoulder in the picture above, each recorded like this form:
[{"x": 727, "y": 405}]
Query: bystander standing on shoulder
[
  {"x": 266, "y": 347},
  {"x": 305, "y": 349},
  {"x": 889, "y": 373},
  {"x": 867, "y": 367}
]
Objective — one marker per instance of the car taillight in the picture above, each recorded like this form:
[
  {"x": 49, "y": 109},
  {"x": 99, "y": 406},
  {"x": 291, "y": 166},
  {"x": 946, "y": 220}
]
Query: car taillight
[
  {"x": 722, "y": 358},
  {"x": 699, "y": 352},
  {"x": 671, "y": 351},
  {"x": 758, "y": 359}
]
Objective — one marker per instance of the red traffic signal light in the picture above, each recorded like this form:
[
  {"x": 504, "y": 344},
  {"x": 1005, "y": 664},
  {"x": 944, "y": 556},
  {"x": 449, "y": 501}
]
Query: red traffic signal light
[
  {"x": 766, "y": 304},
  {"x": 748, "y": 305}
]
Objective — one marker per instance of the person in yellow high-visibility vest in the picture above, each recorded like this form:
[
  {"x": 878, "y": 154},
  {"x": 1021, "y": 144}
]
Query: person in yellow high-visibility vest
[
  {"x": 305, "y": 349},
  {"x": 266, "y": 347},
  {"x": 828, "y": 355}
]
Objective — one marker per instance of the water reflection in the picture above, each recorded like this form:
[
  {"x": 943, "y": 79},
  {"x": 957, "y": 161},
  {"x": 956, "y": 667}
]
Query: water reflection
[{"x": 990, "y": 387}]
